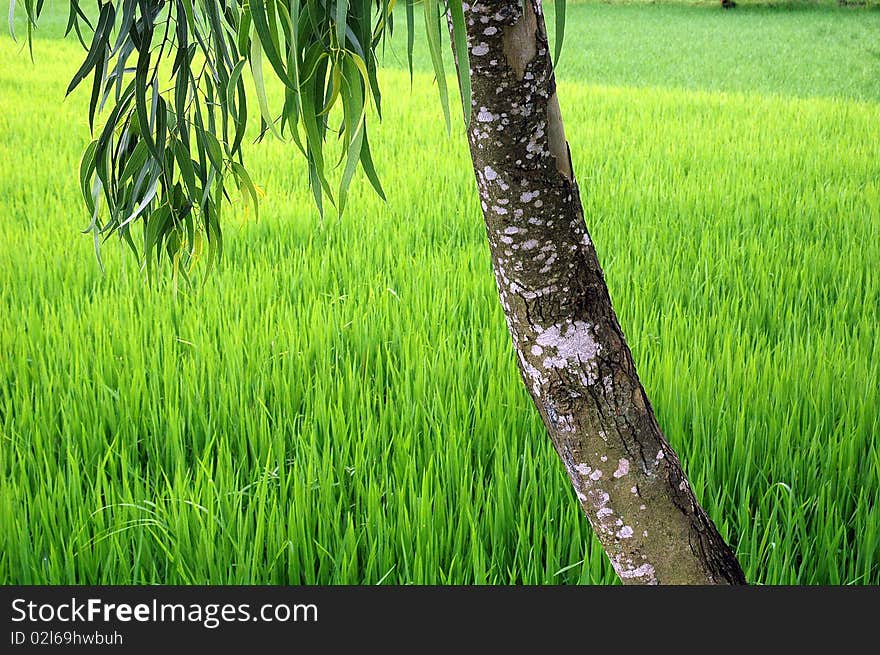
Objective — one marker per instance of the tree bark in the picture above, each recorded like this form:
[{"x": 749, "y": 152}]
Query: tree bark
[{"x": 570, "y": 348}]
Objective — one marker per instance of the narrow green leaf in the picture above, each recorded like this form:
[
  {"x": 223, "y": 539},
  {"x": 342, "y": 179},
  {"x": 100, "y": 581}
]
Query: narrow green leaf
[
  {"x": 184, "y": 163},
  {"x": 432, "y": 29},
  {"x": 97, "y": 84},
  {"x": 256, "y": 61},
  {"x": 156, "y": 226},
  {"x": 146, "y": 200},
  {"x": 244, "y": 180},
  {"x": 369, "y": 168},
  {"x": 244, "y": 32},
  {"x": 353, "y": 115},
  {"x": 459, "y": 34},
  {"x": 214, "y": 150},
  {"x": 341, "y": 13},
  {"x": 261, "y": 25},
  {"x": 134, "y": 164},
  {"x": 410, "y": 35},
  {"x": 12, "y": 20},
  {"x": 312, "y": 86},
  {"x": 233, "y": 82},
  {"x": 140, "y": 94},
  {"x": 559, "y": 6},
  {"x": 99, "y": 42},
  {"x": 86, "y": 169}
]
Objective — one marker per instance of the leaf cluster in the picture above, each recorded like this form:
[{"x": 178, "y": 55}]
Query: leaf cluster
[{"x": 168, "y": 78}]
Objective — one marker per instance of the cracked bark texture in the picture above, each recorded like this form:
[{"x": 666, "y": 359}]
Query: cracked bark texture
[{"x": 570, "y": 348}]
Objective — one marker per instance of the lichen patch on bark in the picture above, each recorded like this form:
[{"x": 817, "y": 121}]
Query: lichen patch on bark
[
  {"x": 628, "y": 572},
  {"x": 570, "y": 345}
]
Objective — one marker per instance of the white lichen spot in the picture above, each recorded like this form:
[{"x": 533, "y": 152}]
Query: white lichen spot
[
  {"x": 533, "y": 373},
  {"x": 604, "y": 458},
  {"x": 499, "y": 210},
  {"x": 581, "y": 497},
  {"x": 480, "y": 50},
  {"x": 565, "y": 423},
  {"x": 595, "y": 475},
  {"x": 527, "y": 196},
  {"x": 537, "y": 351},
  {"x": 531, "y": 244},
  {"x": 625, "y": 532},
  {"x": 660, "y": 455},
  {"x": 506, "y": 239},
  {"x": 573, "y": 344},
  {"x": 485, "y": 116},
  {"x": 583, "y": 469},
  {"x": 604, "y": 511},
  {"x": 538, "y": 293},
  {"x": 644, "y": 571},
  {"x": 549, "y": 263},
  {"x": 622, "y": 467},
  {"x": 634, "y": 490},
  {"x": 489, "y": 31},
  {"x": 511, "y": 230},
  {"x": 490, "y": 173}
]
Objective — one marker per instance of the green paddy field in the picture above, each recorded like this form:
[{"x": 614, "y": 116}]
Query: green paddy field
[{"x": 339, "y": 403}]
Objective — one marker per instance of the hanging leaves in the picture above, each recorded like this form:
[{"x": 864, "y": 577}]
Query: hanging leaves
[{"x": 168, "y": 80}]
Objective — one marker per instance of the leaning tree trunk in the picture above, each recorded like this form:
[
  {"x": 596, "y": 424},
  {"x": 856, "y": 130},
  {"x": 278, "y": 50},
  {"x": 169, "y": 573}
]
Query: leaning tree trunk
[{"x": 571, "y": 350}]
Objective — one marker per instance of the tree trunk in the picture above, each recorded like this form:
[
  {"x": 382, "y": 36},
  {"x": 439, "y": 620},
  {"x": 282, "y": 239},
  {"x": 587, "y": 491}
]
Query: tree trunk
[{"x": 571, "y": 351}]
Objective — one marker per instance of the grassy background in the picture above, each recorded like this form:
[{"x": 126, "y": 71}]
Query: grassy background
[{"x": 340, "y": 403}]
